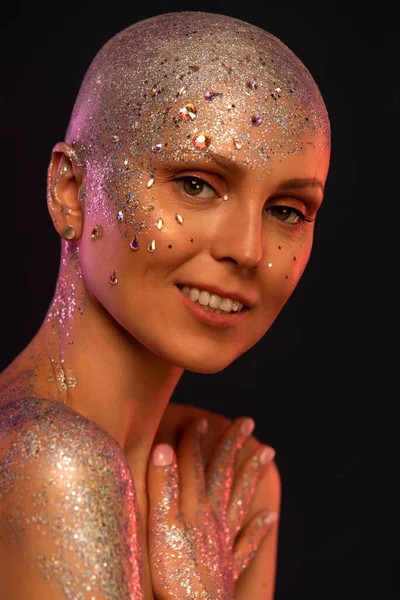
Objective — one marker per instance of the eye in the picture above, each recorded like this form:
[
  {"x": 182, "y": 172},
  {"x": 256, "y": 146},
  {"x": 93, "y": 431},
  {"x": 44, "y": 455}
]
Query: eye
[
  {"x": 195, "y": 186},
  {"x": 287, "y": 214}
]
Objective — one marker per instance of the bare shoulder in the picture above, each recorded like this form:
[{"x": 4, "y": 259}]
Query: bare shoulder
[
  {"x": 177, "y": 415},
  {"x": 66, "y": 495}
]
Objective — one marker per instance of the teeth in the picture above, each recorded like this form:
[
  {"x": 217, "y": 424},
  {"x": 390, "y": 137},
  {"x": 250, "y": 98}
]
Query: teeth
[{"x": 212, "y": 302}]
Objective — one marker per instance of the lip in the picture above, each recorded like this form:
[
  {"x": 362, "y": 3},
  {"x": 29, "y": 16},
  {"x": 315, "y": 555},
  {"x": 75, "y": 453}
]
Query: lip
[
  {"x": 222, "y": 293},
  {"x": 208, "y": 318}
]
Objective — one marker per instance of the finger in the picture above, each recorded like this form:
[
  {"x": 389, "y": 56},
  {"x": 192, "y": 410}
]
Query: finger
[
  {"x": 244, "y": 486},
  {"x": 250, "y": 539},
  {"x": 191, "y": 468},
  {"x": 163, "y": 484},
  {"x": 220, "y": 471}
]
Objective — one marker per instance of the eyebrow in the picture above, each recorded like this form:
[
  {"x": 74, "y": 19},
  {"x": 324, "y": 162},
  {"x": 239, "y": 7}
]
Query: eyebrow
[{"x": 300, "y": 183}]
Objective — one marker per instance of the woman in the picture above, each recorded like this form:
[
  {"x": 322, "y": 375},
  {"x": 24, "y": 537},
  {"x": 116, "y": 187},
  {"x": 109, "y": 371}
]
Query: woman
[{"x": 185, "y": 194}]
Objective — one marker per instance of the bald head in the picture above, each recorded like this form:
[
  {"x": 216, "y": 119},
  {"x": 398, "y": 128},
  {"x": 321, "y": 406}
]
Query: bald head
[{"x": 183, "y": 82}]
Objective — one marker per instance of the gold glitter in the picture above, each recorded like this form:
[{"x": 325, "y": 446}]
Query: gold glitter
[{"x": 179, "y": 219}]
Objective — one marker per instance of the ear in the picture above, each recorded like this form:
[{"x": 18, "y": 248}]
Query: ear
[{"x": 65, "y": 190}]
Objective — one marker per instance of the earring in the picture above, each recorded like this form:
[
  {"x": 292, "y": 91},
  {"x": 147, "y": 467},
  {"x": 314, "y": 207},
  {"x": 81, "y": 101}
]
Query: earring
[{"x": 68, "y": 232}]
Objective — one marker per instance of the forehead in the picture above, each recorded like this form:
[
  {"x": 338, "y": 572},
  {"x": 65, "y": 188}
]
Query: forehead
[{"x": 193, "y": 86}]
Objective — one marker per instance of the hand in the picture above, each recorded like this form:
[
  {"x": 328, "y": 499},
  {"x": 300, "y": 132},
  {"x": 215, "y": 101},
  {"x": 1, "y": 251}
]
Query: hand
[{"x": 197, "y": 547}]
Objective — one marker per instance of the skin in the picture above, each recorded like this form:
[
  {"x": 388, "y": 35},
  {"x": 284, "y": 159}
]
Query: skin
[{"x": 138, "y": 337}]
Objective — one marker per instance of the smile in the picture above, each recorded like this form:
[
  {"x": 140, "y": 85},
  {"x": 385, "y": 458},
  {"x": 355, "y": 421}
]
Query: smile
[{"x": 211, "y": 302}]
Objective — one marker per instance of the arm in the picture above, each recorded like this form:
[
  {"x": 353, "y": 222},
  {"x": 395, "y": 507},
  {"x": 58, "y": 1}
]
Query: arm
[{"x": 68, "y": 518}]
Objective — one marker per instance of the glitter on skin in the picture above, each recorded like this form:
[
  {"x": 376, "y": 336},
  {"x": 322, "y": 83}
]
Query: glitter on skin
[
  {"x": 116, "y": 118},
  {"x": 88, "y": 529}
]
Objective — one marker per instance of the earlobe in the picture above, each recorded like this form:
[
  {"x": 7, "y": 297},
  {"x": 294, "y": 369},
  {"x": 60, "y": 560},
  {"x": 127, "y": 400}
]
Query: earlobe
[{"x": 64, "y": 183}]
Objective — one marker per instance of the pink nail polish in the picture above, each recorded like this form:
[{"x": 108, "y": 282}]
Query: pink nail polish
[
  {"x": 162, "y": 455},
  {"x": 267, "y": 455},
  {"x": 247, "y": 427},
  {"x": 202, "y": 426}
]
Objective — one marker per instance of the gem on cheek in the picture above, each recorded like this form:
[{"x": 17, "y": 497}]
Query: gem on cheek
[
  {"x": 179, "y": 219},
  {"x": 159, "y": 224},
  {"x": 135, "y": 245},
  {"x": 152, "y": 246},
  {"x": 114, "y": 278}
]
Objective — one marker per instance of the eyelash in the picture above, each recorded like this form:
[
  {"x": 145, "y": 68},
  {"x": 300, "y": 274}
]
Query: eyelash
[{"x": 192, "y": 178}]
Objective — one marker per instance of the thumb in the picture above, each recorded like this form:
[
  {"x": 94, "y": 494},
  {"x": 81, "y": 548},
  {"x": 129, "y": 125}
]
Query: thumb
[{"x": 163, "y": 484}]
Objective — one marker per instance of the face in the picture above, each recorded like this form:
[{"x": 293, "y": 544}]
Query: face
[{"x": 210, "y": 194}]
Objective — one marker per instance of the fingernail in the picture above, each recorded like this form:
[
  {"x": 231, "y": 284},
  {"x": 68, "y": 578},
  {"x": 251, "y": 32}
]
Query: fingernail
[
  {"x": 270, "y": 518},
  {"x": 162, "y": 455},
  {"x": 202, "y": 426},
  {"x": 247, "y": 426},
  {"x": 267, "y": 455}
]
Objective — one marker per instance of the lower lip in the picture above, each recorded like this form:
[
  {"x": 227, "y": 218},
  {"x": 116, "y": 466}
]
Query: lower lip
[{"x": 214, "y": 319}]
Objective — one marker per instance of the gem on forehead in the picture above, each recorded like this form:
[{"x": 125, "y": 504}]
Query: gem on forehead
[
  {"x": 182, "y": 91},
  {"x": 156, "y": 89},
  {"x": 252, "y": 85},
  {"x": 120, "y": 215},
  {"x": 256, "y": 119},
  {"x": 156, "y": 148},
  {"x": 159, "y": 223},
  {"x": 135, "y": 245},
  {"x": 150, "y": 182},
  {"x": 188, "y": 112},
  {"x": 211, "y": 95},
  {"x": 115, "y": 139},
  {"x": 201, "y": 140}
]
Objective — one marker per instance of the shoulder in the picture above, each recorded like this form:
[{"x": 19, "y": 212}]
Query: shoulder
[
  {"x": 64, "y": 486},
  {"x": 180, "y": 414}
]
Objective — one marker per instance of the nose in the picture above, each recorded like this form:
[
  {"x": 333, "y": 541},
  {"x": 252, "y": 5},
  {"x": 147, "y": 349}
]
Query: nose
[{"x": 239, "y": 237}]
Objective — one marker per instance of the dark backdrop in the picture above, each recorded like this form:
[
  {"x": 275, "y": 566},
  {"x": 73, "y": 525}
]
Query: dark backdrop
[{"x": 322, "y": 385}]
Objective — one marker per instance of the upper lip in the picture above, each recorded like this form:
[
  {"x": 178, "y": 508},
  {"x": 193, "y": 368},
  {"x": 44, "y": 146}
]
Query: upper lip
[{"x": 214, "y": 289}]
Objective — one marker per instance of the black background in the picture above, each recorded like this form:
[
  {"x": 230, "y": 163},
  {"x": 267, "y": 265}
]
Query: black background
[{"x": 323, "y": 384}]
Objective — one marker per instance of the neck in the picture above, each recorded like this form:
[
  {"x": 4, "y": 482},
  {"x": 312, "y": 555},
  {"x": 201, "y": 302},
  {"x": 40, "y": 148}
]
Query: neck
[{"x": 102, "y": 371}]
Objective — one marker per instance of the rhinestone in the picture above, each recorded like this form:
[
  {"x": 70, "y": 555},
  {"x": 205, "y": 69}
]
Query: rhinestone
[
  {"x": 114, "y": 281},
  {"x": 237, "y": 144},
  {"x": 182, "y": 91},
  {"x": 120, "y": 215},
  {"x": 115, "y": 139},
  {"x": 150, "y": 182},
  {"x": 156, "y": 89},
  {"x": 152, "y": 246},
  {"x": 256, "y": 119},
  {"x": 201, "y": 140},
  {"x": 96, "y": 232},
  {"x": 252, "y": 85},
  {"x": 210, "y": 95},
  {"x": 179, "y": 219},
  {"x": 147, "y": 207},
  {"x": 156, "y": 148},
  {"x": 188, "y": 112},
  {"x": 135, "y": 244},
  {"x": 159, "y": 224}
]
